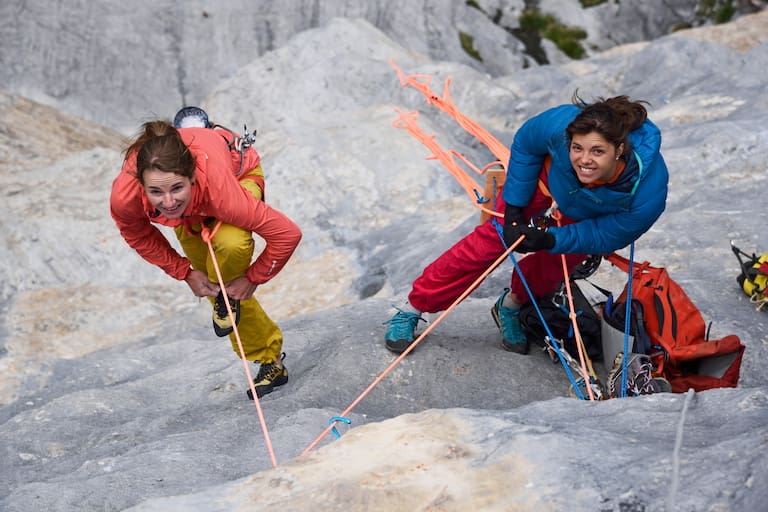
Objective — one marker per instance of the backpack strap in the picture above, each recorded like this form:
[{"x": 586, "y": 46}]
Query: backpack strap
[
  {"x": 623, "y": 263},
  {"x": 544, "y": 173},
  {"x": 599, "y": 288}
]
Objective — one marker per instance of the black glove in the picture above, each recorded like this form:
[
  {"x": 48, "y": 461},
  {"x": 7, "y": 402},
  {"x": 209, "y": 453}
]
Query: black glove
[
  {"x": 514, "y": 221},
  {"x": 535, "y": 240}
]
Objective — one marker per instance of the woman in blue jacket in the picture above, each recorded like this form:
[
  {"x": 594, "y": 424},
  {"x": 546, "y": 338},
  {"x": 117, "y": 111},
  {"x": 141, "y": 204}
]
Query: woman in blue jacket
[{"x": 598, "y": 165}]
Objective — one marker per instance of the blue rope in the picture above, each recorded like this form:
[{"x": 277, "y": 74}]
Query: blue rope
[
  {"x": 567, "y": 369},
  {"x": 627, "y": 315}
]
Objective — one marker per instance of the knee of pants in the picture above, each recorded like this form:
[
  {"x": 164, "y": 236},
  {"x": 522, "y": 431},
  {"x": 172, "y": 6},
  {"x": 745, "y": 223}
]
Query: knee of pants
[{"x": 233, "y": 241}]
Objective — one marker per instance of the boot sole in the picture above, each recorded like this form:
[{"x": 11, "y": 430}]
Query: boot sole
[
  {"x": 224, "y": 331},
  {"x": 283, "y": 379},
  {"x": 398, "y": 346}
]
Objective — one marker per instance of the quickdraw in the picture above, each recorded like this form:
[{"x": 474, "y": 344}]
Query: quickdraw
[{"x": 753, "y": 279}]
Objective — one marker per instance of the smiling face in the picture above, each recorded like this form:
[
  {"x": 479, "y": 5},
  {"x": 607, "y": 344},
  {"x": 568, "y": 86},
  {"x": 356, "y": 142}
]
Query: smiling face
[
  {"x": 593, "y": 157},
  {"x": 169, "y": 192}
]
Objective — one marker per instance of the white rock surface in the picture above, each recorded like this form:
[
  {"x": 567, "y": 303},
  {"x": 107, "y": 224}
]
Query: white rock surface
[{"x": 117, "y": 396}]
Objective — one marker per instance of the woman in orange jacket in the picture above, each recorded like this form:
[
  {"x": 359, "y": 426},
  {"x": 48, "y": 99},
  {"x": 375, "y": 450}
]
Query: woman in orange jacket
[{"x": 190, "y": 179}]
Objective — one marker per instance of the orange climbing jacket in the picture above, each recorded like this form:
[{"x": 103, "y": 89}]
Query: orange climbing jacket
[{"x": 216, "y": 193}]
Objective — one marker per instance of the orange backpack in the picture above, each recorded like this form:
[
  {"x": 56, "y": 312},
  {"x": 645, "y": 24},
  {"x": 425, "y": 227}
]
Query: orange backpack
[{"x": 686, "y": 358}]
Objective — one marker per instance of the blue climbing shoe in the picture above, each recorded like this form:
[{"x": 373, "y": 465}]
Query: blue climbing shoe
[
  {"x": 400, "y": 333},
  {"x": 513, "y": 338}
]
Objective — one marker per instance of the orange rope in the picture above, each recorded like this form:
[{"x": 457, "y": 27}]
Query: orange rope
[
  {"x": 407, "y": 121},
  {"x": 469, "y": 290},
  {"x": 499, "y": 150},
  {"x": 207, "y": 236},
  {"x": 583, "y": 358},
  {"x": 576, "y": 332}
]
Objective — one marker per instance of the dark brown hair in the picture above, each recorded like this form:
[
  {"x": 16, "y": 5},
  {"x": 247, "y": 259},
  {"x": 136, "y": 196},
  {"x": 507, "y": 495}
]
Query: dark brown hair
[
  {"x": 613, "y": 118},
  {"x": 158, "y": 145}
]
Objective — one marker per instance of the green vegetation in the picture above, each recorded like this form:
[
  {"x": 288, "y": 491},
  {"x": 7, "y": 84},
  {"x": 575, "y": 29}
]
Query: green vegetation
[
  {"x": 683, "y": 25},
  {"x": 719, "y": 11},
  {"x": 565, "y": 38},
  {"x": 472, "y": 3},
  {"x": 468, "y": 43},
  {"x": 534, "y": 21},
  {"x": 591, "y": 3}
]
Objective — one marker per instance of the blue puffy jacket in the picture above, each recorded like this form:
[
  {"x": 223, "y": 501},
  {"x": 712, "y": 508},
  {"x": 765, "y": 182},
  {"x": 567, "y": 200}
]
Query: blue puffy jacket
[{"x": 609, "y": 217}]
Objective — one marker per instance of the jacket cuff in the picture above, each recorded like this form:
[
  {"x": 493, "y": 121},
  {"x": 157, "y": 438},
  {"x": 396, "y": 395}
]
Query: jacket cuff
[{"x": 186, "y": 274}]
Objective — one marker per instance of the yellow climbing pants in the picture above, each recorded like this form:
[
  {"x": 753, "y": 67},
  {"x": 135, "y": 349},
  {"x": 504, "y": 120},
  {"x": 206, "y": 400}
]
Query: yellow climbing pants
[{"x": 261, "y": 337}]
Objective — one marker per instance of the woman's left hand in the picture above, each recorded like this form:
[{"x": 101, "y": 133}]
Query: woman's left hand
[
  {"x": 200, "y": 285},
  {"x": 535, "y": 240},
  {"x": 240, "y": 288}
]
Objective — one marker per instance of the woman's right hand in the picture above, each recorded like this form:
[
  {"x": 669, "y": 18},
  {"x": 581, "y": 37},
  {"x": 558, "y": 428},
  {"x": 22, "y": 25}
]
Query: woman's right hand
[{"x": 200, "y": 285}]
